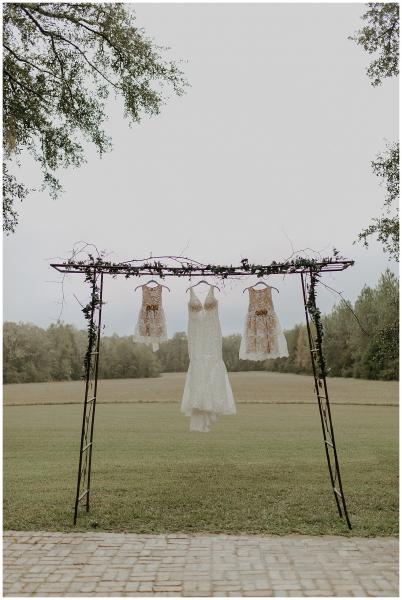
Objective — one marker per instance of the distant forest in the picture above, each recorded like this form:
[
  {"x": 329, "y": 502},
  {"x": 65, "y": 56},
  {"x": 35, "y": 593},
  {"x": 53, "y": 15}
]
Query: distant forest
[{"x": 360, "y": 341}]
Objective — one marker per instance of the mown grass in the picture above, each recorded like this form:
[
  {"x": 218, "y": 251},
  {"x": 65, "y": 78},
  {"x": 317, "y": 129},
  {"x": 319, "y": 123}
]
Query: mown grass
[
  {"x": 261, "y": 471},
  {"x": 257, "y": 386}
]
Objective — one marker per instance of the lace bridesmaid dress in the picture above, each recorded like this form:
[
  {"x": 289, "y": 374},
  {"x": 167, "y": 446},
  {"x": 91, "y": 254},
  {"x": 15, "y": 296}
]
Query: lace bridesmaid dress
[
  {"x": 263, "y": 337},
  {"x": 207, "y": 392},
  {"x": 151, "y": 325}
]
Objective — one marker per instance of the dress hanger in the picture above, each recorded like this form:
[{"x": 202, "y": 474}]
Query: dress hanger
[
  {"x": 262, "y": 283},
  {"x": 202, "y": 281},
  {"x": 152, "y": 281}
]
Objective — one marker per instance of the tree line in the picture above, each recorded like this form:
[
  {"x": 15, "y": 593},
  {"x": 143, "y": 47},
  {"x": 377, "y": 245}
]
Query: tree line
[{"x": 360, "y": 341}]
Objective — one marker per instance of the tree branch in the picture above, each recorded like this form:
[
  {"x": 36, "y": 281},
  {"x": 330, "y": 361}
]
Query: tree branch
[
  {"x": 58, "y": 36},
  {"x": 23, "y": 60},
  {"x": 80, "y": 22},
  {"x": 24, "y": 86}
]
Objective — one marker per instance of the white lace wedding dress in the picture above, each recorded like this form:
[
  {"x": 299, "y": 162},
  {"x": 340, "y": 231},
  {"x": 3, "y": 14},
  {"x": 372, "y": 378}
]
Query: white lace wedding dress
[{"x": 207, "y": 392}]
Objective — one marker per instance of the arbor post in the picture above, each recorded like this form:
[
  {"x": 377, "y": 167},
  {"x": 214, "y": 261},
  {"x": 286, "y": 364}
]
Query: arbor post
[
  {"x": 318, "y": 364},
  {"x": 91, "y": 386}
]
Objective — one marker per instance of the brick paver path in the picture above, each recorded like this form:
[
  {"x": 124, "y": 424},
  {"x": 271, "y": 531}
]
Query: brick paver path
[{"x": 118, "y": 564}]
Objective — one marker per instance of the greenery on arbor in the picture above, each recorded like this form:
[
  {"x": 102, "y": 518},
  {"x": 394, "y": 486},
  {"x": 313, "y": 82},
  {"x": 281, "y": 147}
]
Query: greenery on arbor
[
  {"x": 61, "y": 63},
  {"x": 380, "y": 37}
]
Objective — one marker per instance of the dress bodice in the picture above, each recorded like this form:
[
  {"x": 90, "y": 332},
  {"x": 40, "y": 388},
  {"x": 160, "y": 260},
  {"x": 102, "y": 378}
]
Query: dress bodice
[
  {"x": 195, "y": 304},
  {"x": 204, "y": 331},
  {"x": 260, "y": 301},
  {"x": 152, "y": 297}
]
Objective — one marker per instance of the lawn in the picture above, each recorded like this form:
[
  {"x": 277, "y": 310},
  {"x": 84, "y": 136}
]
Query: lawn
[
  {"x": 257, "y": 386},
  {"x": 261, "y": 471}
]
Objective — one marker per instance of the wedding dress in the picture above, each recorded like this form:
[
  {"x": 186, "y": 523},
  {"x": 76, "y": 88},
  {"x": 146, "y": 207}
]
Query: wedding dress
[
  {"x": 207, "y": 392},
  {"x": 263, "y": 337},
  {"x": 151, "y": 325}
]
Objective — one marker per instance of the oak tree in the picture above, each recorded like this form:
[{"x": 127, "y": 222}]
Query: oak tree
[
  {"x": 380, "y": 37},
  {"x": 61, "y": 63}
]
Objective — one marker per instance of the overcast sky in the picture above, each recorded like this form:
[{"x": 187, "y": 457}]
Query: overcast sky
[{"x": 267, "y": 153}]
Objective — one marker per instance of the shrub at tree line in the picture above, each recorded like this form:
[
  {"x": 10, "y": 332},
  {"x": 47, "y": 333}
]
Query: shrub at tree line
[{"x": 362, "y": 343}]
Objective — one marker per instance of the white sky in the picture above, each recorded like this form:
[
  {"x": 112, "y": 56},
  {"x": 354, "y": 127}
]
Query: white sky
[{"x": 269, "y": 150}]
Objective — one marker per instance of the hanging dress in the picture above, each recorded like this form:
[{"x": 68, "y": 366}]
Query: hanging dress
[
  {"x": 263, "y": 337},
  {"x": 207, "y": 392},
  {"x": 151, "y": 325}
]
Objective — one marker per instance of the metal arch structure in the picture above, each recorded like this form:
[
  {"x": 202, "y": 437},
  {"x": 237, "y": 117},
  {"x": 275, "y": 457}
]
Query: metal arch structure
[{"x": 309, "y": 272}]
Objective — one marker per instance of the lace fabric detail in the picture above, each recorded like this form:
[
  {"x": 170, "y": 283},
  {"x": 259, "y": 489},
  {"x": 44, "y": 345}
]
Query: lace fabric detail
[
  {"x": 195, "y": 305},
  {"x": 207, "y": 391},
  {"x": 151, "y": 325},
  {"x": 263, "y": 337}
]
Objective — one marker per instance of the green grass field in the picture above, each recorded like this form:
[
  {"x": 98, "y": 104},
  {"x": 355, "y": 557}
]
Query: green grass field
[
  {"x": 253, "y": 387},
  {"x": 261, "y": 471}
]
